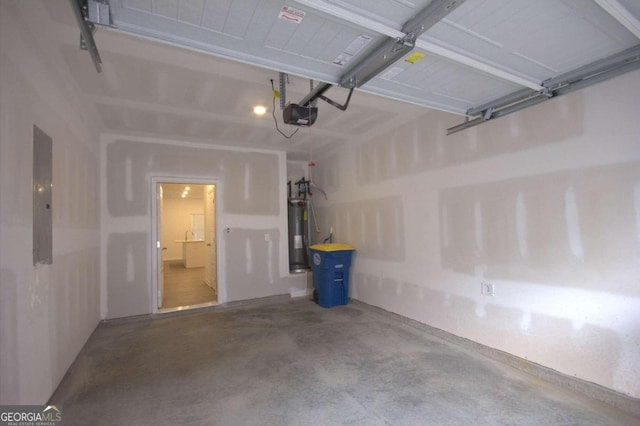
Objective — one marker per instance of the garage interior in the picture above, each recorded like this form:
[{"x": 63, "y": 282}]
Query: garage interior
[{"x": 483, "y": 159}]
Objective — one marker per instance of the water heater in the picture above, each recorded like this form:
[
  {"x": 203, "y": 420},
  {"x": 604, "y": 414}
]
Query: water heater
[{"x": 298, "y": 235}]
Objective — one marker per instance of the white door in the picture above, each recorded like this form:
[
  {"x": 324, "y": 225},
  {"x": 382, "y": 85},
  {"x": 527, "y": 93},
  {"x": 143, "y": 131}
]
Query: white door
[
  {"x": 159, "y": 245},
  {"x": 211, "y": 265}
]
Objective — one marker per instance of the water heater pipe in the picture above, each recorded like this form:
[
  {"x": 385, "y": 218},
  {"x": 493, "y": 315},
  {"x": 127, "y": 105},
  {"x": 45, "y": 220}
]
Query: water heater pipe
[{"x": 315, "y": 219}]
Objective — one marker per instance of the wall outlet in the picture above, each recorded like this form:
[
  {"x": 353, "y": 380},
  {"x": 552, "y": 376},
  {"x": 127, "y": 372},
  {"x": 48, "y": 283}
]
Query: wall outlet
[{"x": 487, "y": 289}]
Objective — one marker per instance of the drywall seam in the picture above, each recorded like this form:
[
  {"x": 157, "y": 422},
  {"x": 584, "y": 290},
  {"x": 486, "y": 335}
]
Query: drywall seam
[{"x": 108, "y": 137}]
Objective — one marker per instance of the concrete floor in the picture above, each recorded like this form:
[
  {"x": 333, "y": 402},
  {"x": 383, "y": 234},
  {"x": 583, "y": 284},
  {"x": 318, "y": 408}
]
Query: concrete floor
[{"x": 295, "y": 363}]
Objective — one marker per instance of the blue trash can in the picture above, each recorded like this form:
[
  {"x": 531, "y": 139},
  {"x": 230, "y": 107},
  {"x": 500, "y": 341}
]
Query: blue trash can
[{"x": 331, "y": 263}]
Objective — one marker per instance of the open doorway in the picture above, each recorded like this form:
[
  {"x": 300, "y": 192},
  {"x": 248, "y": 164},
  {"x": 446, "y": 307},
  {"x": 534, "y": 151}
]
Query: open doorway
[{"x": 187, "y": 248}]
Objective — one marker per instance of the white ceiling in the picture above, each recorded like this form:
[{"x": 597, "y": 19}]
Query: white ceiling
[{"x": 154, "y": 87}]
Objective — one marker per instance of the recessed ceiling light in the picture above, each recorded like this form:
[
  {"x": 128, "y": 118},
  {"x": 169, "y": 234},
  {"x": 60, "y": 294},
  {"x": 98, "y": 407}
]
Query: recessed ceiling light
[
  {"x": 186, "y": 188},
  {"x": 259, "y": 110}
]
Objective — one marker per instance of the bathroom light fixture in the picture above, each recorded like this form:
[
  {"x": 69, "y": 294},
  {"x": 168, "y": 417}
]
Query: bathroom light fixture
[{"x": 259, "y": 110}]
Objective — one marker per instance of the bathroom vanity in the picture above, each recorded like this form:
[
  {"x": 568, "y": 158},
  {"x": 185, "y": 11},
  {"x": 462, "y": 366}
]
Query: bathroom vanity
[{"x": 193, "y": 253}]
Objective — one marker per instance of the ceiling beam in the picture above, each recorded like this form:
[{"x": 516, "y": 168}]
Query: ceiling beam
[
  {"x": 621, "y": 14},
  {"x": 395, "y": 33}
]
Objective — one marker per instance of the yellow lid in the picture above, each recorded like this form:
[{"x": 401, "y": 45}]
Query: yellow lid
[{"x": 332, "y": 247}]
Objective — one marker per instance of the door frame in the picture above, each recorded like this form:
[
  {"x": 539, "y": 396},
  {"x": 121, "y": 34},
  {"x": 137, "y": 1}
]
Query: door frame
[{"x": 155, "y": 252}]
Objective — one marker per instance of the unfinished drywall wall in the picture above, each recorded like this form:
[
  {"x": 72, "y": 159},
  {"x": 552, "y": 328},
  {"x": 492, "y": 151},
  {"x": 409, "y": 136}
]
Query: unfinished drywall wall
[
  {"x": 253, "y": 176},
  {"x": 568, "y": 228},
  {"x": 543, "y": 205},
  {"x": 327, "y": 172},
  {"x": 296, "y": 170},
  {"x": 247, "y": 272},
  {"x": 47, "y": 312},
  {"x": 402, "y": 151},
  {"x": 251, "y": 195},
  {"x": 375, "y": 226}
]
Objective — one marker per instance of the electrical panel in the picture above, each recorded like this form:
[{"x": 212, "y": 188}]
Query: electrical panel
[{"x": 42, "y": 189}]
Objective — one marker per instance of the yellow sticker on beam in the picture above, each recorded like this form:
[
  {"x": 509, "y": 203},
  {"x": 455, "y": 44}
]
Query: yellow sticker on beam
[{"x": 414, "y": 57}]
